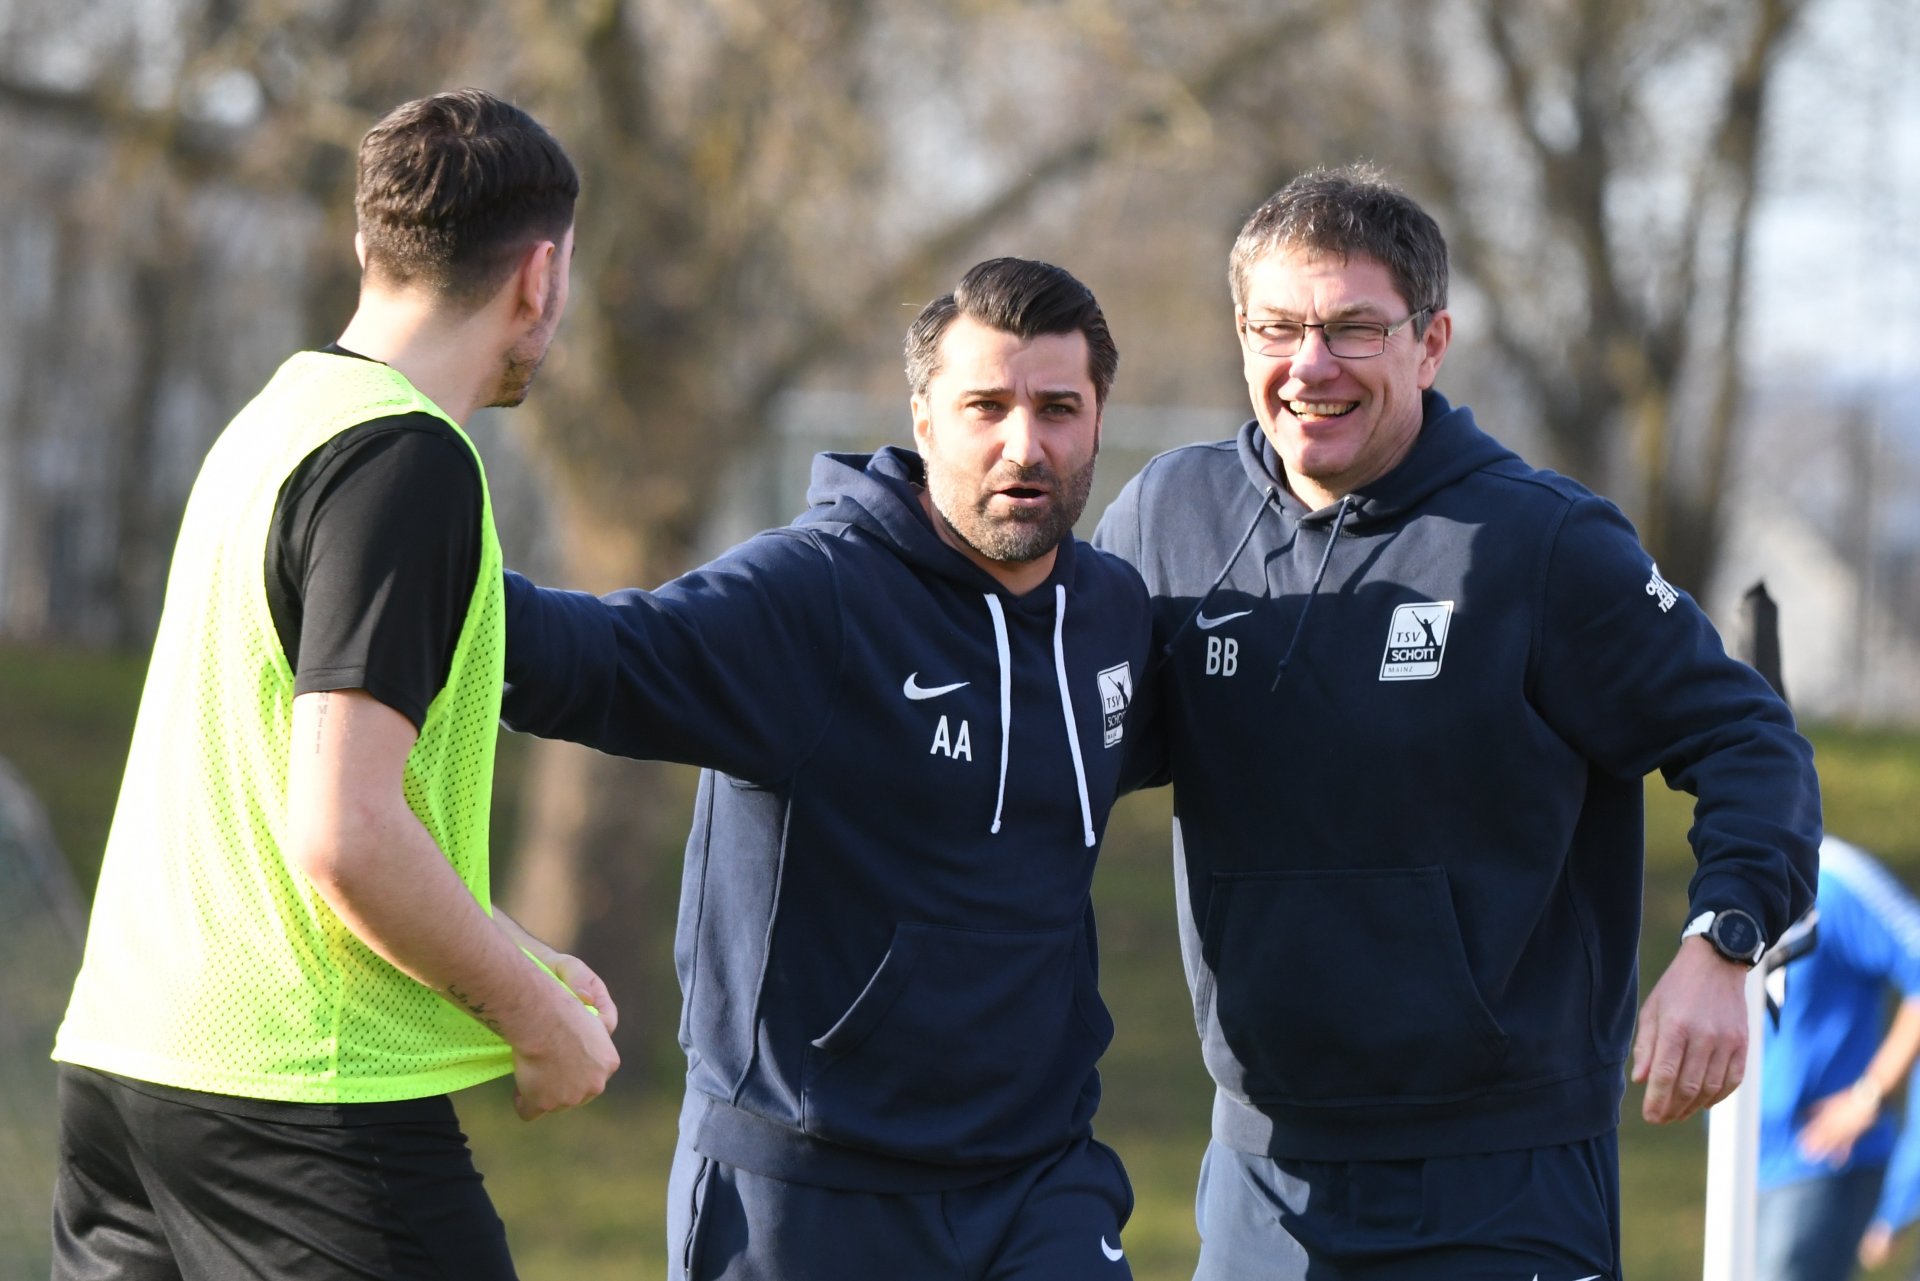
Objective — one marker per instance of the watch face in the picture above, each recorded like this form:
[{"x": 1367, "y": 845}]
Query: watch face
[{"x": 1736, "y": 935}]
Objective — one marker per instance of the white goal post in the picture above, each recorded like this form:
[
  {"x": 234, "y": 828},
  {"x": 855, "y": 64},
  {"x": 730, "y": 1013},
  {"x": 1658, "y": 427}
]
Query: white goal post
[{"x": 1733, "y": 1127}]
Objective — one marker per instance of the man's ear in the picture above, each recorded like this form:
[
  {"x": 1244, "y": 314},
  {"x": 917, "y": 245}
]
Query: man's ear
[
  {"x": 360, "y": 249},
  {"x": 922, "y": 422},
  {"x": 1434, "y": 342},
  {"x": 533, "y": 281}
]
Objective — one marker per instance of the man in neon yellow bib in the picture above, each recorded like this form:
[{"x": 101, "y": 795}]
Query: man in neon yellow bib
[{"x": 293, "y": 955}]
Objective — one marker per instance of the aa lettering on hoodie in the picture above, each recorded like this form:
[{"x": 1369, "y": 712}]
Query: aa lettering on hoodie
[{"x": 885, "y": 941}]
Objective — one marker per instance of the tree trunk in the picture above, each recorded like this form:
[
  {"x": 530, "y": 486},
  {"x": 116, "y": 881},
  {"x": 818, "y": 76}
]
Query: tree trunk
[
  {"x": 597, "y": 873},
  {"x": 596, "y": 864}
]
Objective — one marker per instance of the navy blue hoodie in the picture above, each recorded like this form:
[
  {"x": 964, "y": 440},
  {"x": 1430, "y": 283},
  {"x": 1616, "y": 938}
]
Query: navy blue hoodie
[
  {"x": 1409, "y": 866},
  {"x": 886, "y": 939}
]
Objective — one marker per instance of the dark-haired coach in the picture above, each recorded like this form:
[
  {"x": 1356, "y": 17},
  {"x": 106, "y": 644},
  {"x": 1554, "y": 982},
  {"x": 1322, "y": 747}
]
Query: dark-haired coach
[
  {"x": 886, "y": 942},
  {"x": 293, "y": 956}
]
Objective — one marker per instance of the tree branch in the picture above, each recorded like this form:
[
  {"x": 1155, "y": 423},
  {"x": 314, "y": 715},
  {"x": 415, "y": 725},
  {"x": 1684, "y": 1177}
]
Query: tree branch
[{"x": 1075, "y": 155}]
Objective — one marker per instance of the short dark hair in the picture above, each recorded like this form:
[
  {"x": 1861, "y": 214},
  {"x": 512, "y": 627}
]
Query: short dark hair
[
  {"x": 453, "y": 187},
  {"x": 1021, "y": 297},
  {"x": 1343, "y": 212}
]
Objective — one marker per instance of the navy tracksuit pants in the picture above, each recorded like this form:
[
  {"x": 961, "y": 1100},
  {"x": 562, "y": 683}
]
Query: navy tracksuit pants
[
  {"x": 1537, "y": 1214},
  {"x": 1058, "y": 1219}
]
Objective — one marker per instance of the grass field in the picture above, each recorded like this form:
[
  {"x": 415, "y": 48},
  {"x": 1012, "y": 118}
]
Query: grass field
[{"x": 583, "y": 1193}]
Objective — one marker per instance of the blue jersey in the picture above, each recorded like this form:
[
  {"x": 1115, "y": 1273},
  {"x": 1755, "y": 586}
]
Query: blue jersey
[
  {"x": 1833, "y": 1015},
  {"x": 1900, "y": 1193}
]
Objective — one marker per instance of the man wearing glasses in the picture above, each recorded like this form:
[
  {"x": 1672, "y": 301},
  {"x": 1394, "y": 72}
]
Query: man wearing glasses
[{"x": 1410, "y": 688}]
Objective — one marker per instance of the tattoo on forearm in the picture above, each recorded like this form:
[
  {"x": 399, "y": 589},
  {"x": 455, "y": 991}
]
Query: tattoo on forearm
[
  {"x": 320, "y": 720},
  {"x": 478, "y": 1009}
]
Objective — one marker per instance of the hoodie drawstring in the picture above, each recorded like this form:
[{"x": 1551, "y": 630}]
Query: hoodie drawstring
[
  {"x": 1339, "y": 519},
  {"x": 1066, "y": 707},
  {"x": 1006, "y": 700},
  {"x": 1266, "y": 500},
  {"x": 1005, "y": 653}
]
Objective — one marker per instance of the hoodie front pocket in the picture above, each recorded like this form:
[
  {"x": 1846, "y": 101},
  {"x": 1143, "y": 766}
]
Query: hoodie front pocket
[
  {"x": 1343, "y": 987},
  {"x": 965, "y": 1046}
]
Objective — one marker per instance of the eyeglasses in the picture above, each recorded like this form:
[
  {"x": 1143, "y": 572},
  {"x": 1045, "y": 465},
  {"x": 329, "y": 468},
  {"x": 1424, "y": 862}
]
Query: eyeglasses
[{"x": 1347, "y": 339}]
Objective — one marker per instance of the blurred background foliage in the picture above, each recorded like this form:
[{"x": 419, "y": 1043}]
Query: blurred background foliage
[{"x": 1684, "y": 249}]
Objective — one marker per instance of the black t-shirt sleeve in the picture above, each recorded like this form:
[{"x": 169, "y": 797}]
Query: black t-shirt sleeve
[{"x": 372, "y": 558}]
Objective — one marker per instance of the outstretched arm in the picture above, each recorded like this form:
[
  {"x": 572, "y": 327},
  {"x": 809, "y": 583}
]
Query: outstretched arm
[{"x": 730, "y": 667}]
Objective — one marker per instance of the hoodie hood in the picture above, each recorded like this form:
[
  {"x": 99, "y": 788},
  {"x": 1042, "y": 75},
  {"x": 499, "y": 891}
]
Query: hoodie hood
[
  {"x": 1450, "y": 445},
  {"x": 880, "y": 493}
]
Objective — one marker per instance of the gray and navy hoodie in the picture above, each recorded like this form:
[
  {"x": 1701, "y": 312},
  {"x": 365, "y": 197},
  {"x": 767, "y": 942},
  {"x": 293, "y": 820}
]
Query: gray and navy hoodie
[
  {"x": 1407, "y": 735},
  {"x": 886, "y": 940}
]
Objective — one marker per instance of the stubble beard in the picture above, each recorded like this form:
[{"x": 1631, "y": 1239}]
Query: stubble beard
[
  {"x": 524, "y": 358},
  {"x": 523, "y": 362},
  {"x": 1019, "y": 536}
]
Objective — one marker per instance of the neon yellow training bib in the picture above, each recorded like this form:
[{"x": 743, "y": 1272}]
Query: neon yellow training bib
[{"x": 210, "y": 964}]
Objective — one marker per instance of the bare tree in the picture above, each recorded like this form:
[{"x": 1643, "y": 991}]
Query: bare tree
[
  {"x": 169, "y": 166},
  {"x": 1599, "y": 165}
]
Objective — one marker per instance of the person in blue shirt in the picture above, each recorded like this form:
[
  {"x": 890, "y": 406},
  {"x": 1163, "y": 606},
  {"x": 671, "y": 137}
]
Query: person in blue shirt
[
  {"x": 1899, "y": 1204},
  {"x": 1825, "y": 1138}
]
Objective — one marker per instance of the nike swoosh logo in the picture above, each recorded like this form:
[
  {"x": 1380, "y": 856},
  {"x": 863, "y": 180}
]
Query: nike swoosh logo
[
  {"x": 914, "y": 690},
  {"x": 1206, "y": 624},
  {"x": 1114, "y": 1253}
]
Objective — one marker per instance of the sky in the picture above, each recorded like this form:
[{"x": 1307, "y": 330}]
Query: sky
[{"x": 1836, "y": 286}]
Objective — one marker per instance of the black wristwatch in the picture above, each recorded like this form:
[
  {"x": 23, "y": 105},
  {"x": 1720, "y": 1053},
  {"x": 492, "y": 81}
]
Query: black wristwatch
[{"x": 1733, "y": 933}]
